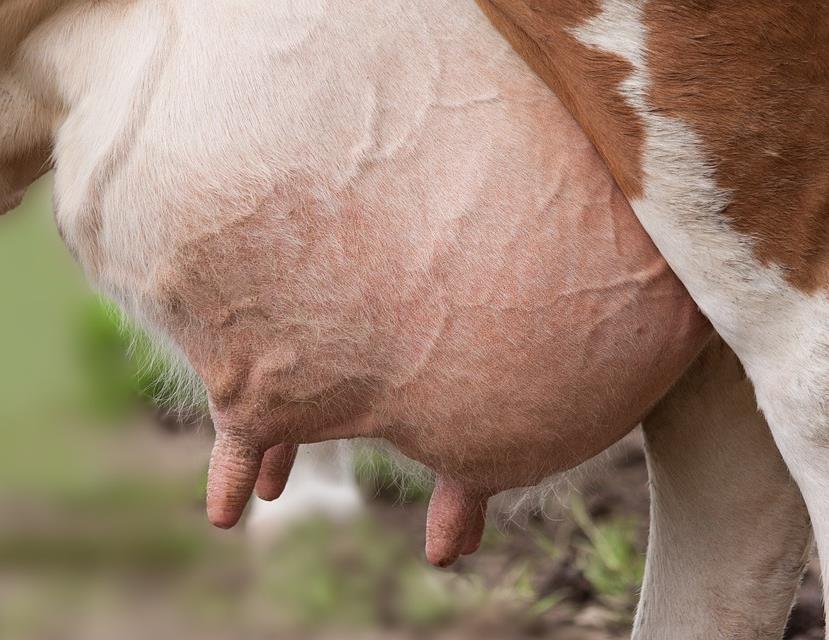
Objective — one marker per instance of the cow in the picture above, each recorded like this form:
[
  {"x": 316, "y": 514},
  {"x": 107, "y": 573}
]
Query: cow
[{"x": 378, "y": 222}]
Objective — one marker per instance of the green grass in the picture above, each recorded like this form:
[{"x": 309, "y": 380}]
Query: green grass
[
  {"x": 609, "y": 557},
  {"x": 43, "y": 296},
  {"x": 606, "y": 553}
]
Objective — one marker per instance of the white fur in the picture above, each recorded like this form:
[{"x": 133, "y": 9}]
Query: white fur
[{"x": 729, "y": 533}]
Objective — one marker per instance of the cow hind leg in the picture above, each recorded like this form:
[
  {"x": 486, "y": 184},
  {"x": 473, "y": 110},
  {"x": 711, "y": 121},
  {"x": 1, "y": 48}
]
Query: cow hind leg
[
  {"x": 729, "y": 531},
  {"x": 793, "y": 392}
]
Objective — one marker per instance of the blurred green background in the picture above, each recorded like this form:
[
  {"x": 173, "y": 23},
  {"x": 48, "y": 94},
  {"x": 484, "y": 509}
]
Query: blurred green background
[{"x": 102, "y": 533}]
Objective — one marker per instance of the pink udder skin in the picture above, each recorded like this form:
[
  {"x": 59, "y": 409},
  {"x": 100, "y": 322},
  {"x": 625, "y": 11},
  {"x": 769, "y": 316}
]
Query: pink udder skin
[{"x": 484, "y": 300}]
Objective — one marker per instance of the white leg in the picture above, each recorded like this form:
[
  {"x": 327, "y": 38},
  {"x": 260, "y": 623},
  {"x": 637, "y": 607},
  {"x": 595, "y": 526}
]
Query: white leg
[
  {"x": 729, "y": 530},
  {"x": 794, "y": 397},
  {"x": 321, "y": 483}
]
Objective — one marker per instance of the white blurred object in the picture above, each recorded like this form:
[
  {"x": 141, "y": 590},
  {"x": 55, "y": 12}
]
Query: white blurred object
[{"x": 322, "y": 484}]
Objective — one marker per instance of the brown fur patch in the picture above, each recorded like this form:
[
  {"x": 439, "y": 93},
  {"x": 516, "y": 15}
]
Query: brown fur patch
[
  {"x": 752, "y": 79},
  {"x": 24, "y": 167},
  {"x": 18, "y": 18}
]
